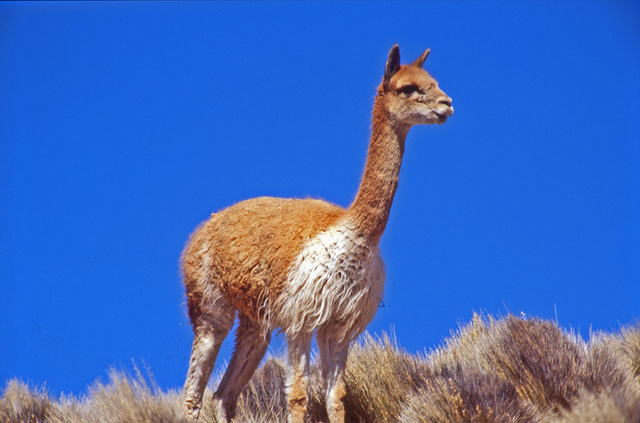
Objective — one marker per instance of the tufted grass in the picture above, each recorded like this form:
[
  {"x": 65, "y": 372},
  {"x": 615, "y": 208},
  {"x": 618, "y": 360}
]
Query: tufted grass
[{"x": 491, "y": 370}]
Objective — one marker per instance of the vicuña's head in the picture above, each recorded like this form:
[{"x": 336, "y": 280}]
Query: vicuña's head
[{"x": 411, "y": 95}]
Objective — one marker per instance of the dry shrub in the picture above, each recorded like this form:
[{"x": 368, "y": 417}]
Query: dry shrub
[
  {"x": 541, "y": 361},
  {"x": 379, "y": 378},
  {"x": 125, "y": 399},
  {"x": 610, "y": 390},
  {"x": 616, "y": 406},
  {"x": 467, "y": 396},
  {"x": 534, "y": 356},
  {"x": 471, "y": 346},
  {"x": 630, "y": 346},
  {"x": 264, "y": 399},
  {"x": 21, "y": 404},
  {"x": 551, "y": 370},
  {"x": 605, "y": 367}
]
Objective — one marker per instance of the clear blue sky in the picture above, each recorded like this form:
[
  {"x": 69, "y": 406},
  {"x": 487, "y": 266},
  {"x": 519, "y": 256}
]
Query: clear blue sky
[{"x": 124, "y": 125}]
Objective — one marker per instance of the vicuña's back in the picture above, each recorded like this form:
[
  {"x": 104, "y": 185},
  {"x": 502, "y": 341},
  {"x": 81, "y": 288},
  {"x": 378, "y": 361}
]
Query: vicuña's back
[{"x": 306, "y": 266}]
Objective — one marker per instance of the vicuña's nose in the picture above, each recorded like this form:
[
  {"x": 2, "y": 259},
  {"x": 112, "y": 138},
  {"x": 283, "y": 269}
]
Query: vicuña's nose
[{"x": 445, "y": 100}]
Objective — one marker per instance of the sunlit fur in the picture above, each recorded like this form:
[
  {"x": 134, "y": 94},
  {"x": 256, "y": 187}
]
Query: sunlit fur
[{"x": 305, "y": 266}]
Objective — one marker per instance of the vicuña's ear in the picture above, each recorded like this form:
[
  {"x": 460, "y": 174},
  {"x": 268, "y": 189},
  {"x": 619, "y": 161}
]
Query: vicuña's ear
[
  {"x": 393, "y": 64},
  {"x": 420, "y": 60}
]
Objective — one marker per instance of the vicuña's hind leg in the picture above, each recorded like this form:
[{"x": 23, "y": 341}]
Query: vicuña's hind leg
[
  {"x": 209, "y": 331},
  {"x": 251, "y": 345},
  {"x": 333, "y": 355},
  {"x": 298, "y": 348}
]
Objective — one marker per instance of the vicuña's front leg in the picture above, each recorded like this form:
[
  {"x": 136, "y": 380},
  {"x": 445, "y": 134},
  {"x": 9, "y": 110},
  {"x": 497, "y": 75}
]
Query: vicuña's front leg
[
  {"x": 333, "y": 355},
  {"x": 298, "y": 349}
]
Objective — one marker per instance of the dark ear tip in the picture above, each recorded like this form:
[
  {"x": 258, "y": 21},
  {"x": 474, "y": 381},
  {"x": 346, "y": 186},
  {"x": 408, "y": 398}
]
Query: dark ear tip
[
  {"x": 395, "y": 51},
  {"x": 393, "y": 63}
]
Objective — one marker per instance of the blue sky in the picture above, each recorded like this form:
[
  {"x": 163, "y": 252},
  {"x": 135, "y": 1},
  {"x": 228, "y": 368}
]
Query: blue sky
[{"x": 124, "y": 125}]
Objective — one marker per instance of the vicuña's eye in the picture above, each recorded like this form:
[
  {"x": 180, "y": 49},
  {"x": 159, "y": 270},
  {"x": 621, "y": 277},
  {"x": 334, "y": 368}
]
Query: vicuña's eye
[{"x": 408, "y": 89}]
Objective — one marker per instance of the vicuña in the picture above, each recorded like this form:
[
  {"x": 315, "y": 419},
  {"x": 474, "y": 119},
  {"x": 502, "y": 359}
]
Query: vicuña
[{"x": 305, "y": 266}]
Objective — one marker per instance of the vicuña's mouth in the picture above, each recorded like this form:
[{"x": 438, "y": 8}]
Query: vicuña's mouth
[{"x": 444, "y": 111}]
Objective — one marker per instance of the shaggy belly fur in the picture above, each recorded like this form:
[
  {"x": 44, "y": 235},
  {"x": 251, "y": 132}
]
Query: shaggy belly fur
[{"x": 337, "y": 279}]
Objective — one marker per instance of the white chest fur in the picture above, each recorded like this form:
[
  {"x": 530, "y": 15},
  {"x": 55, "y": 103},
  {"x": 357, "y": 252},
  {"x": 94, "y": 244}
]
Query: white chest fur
[{"x": 337, "y": 279}]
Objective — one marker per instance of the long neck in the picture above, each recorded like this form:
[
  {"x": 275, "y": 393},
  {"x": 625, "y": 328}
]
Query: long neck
[{"x": 370, "y": 209}]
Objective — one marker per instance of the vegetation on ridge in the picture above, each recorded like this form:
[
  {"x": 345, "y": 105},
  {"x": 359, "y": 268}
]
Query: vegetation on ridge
[{"x": 491, "y": 370}]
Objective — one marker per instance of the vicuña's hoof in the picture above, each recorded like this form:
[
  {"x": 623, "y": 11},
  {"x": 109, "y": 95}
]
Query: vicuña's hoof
[{"x": 191, "y": 412}]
